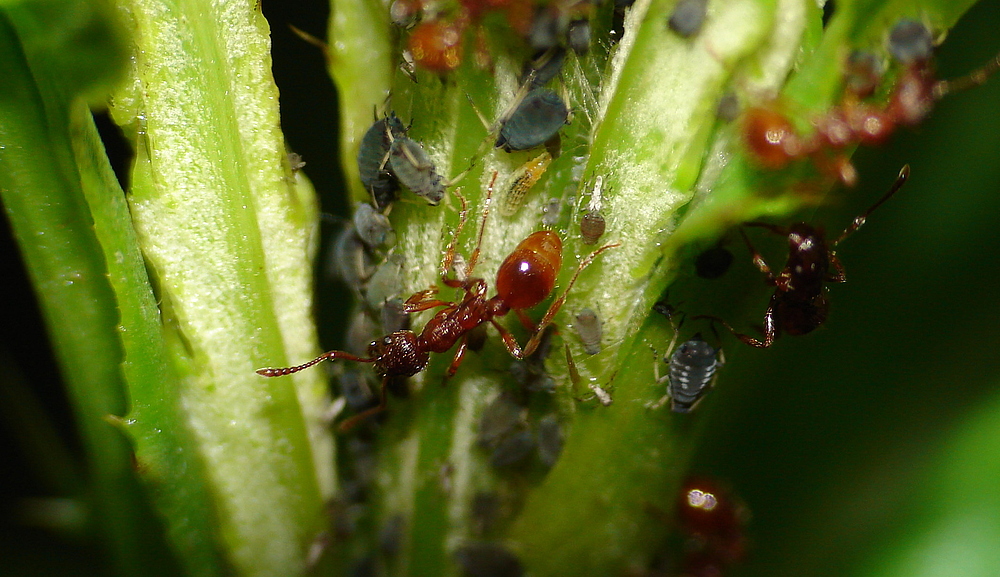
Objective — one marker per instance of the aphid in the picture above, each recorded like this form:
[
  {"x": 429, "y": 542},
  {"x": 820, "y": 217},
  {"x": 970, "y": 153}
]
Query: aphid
[
  {"x": 592, "y": 223},
  {"x": 578, "y": 36},
  {"x": 522, "y": 181},
  {"x": 529, "y": 372},
  {"x": 525, "y": 278},
  {"x": 499, "y": 419},
  {"x": 862, "y": 74},
  {"x": 544, "y": 67},
  {"x": 513, "y": 449},
  {"x": 550, "y": 440},
  {"x": 799, "y": 303},
  {"x": 415, "y": 169},
  {"x": 688, "y": 16},
  {"x": 546, "y": 28},
  {"x": 386, "y": 282},
  {"x": 436, "y": 45},
  {"x": 373, "y": 227},
  {"x": 713, "y": 263},
  {"x": 381, "y": 183},
  {"x": 356, "y": 391},
  {"x": 537, "y": 118},
  {"x": 485, "y": 512},
  {"x": 404, "y": 13},
  {"x": 295, "y": 161},
  {"x": 588, "y": 327},
  {"x": 551, "y": 212},
  {"x": 394, "y": 316},
  {"x": 693, "y": 367},
  {"x": 602, "y": 394},
  {"x": 910, "y": 42},
  {"x": 487, "y": 559},
  {"x": 349, "y": 259}
]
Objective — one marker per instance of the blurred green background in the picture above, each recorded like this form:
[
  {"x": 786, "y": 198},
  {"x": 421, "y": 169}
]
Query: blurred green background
[{"x": 871, "y": 447}]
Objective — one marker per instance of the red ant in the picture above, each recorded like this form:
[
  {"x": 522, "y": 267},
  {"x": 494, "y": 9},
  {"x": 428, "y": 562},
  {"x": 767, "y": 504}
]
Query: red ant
[
  {"x": 525, "y": 278},
  {"x": 799, "y": 304},
  {"x": 773, "y": 142}
]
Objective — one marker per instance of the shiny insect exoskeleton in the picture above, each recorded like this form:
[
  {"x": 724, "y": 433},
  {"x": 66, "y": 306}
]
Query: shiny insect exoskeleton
[
  {"x": 799, "y": 304},
  {"x": 376, "y": 177},
  {"x": 536, "y": 119},
  {"x": 525, "y": 278},
  {"x": 712, "y": 520}
]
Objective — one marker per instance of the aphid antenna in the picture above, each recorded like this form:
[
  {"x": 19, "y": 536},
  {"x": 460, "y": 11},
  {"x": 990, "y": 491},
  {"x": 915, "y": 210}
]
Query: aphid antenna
[
  {"x": 312, "y": 40},
  {"x": 975, "y": 78},
  {"x": 904, "y": 174}
]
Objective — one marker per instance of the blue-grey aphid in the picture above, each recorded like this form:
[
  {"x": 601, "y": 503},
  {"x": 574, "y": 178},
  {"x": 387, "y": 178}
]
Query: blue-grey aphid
[
  {"x": 692, "y": 369},
  {"x": 373, "y": 227},
  {"x": 910, "y": 42},
  {"x": 537, "y": 118},
  {"x": 415, "y": 169},
  {"x": 375, "y": 175},
  {"x": 578, "y": 36},
  {"x": 687, "y": 17}
]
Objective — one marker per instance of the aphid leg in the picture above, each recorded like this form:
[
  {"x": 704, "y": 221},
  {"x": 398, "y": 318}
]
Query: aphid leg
[
  {"x": 331, "y": 355},
  {"x": 347, "y": 424},
  {"x": 536, "y": 338},
  {"x": 904, "y": 174}
]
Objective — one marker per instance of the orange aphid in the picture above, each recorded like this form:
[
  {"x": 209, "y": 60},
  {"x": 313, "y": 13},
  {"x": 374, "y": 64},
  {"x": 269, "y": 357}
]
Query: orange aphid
[{"x": 437, "y": 45}]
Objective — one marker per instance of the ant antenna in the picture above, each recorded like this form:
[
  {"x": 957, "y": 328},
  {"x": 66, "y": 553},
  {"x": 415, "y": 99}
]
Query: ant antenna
[
  {"x": 331, "y": 355},
  {"x": 904, "y": 174},
  {"x": 971, "y": 80}
]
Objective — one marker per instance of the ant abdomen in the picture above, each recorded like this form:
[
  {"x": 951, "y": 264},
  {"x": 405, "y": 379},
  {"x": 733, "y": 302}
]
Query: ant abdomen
[{"x": 528, "y": 274}]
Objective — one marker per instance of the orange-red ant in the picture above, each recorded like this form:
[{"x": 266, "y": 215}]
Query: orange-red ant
[
  {"x": 525, "y": 278},
  {"x": 773, "y": 142},
  {"x": 799, "y": 304}
]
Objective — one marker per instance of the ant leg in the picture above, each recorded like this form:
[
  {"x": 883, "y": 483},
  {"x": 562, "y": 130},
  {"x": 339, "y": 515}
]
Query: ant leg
[
  {"x": 331, "y": 355},
  {"x": 526, "y": 321},
  {"x": 348, "y": 424},
  {"x": 474, "y": 257},
  {"x": 457, "y": 359},
  {"x": 758, "y": 260},
  {"x": 841, "y": 276},
  {"x": 770, "y": 330},
  {"x": 904, "y": 173},
  {"x": 536, "y": 338},
  {"x": 421, "y": 301},
  {"x": 509, "y": 341}
]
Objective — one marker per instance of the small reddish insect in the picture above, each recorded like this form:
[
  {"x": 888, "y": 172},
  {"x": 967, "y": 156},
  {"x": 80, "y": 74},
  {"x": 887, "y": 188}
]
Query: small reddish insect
[
  {"x": 713, "y": 520},
  {"x": 799, "y": 304},
  {"x": 773, "y": 142},
  {"x": 437, "y": 44},
  {"x": 525, "y": 278}
]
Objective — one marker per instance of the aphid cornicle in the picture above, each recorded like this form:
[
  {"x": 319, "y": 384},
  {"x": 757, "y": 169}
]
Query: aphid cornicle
[
  {"x": 375, "y": 176},
  {"x": 537, "y": 118}
]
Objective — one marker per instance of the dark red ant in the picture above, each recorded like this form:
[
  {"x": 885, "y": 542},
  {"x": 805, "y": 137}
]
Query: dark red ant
[
  {"x": 525, "y": 278},
  {"x": 799, "y": 304},
  {"x": 773, "y": 142}
]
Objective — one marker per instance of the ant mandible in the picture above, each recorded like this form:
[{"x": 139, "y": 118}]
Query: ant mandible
[
  {"x": 525, "y": 278},
  {"x": 799, "y": 304}
]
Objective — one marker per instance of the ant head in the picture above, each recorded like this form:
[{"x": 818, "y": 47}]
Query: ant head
[
  {"x": 803, "y": 237},
  {"x": 398, "y": 354}
]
